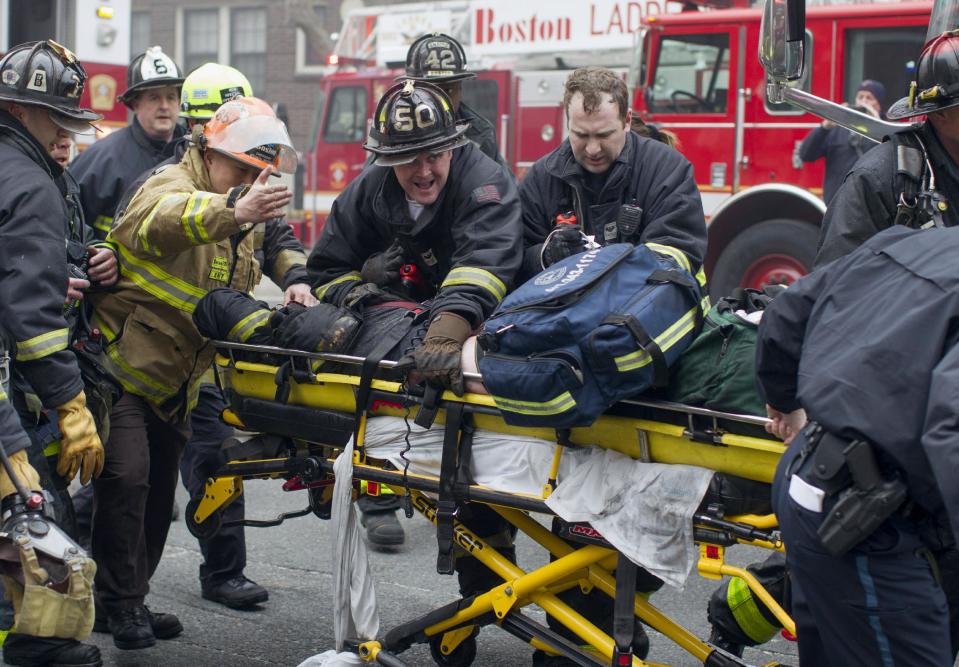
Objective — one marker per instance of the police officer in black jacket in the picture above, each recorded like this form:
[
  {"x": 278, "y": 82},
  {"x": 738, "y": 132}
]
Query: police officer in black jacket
[
  {"x": 106, "y": 169},
  {"x": 869, "y": 348},
  {"x": 874, "y": 196},
  {"x": 40, "y": 88},
  {"x": 619, "y": 186},
  {"x": 439, "y": 59},
  {"x": 433, "y": 203}
]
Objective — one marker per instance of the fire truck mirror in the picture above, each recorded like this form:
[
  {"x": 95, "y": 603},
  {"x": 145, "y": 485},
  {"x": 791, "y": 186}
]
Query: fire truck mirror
[{"x": 781, "y": 46}]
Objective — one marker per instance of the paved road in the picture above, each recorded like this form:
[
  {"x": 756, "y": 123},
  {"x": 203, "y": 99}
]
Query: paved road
[{"x": 293, "y": 562}]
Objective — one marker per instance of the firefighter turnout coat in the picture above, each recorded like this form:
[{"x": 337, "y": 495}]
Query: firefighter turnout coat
[
  {"x": 467, "y": 242},
  {"x": 177, "y": 240},
  {"x": 33, "y": 266}
]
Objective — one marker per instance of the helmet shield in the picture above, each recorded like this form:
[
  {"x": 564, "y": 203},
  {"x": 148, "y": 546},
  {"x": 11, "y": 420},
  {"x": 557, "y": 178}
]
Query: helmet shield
[
  {"x": 412, "y": 118},
  {"x": 45, "y": 74},
  {"x": 246, "y": 129},
  {"x": 936, "y": 86},
  {"x": 437, "y": 58}
]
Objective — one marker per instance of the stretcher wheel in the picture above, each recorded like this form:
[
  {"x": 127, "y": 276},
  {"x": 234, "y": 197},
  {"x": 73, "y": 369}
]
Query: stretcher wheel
[
  {"x": 205, "y": 530},
  {"x": 462, "y": 656}
]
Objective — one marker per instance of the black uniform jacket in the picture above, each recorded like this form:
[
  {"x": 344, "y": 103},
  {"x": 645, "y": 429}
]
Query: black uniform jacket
[
  {"x": 867, "y": 200},
  {"x": 469, "y": 241},
  {"x": 869, "y": 346},
  {"x": 33, "y": 265},
  {"x": 480, "y": 132},
  {"x": 279, "y": 253},
  {"x": 110, "y": 165},
  {"x": 647, "y": 174}
]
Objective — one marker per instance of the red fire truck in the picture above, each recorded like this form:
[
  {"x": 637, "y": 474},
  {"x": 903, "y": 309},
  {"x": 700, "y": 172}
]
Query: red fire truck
[
  {"x": 699, "y": 76},
  {"x": 522, "y": 53},
  {"x": 98, "y": 31},
  {"x": 694, "y": 72}
]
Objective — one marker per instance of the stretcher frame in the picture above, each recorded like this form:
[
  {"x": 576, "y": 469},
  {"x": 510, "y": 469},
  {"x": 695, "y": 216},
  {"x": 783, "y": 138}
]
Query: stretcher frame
[{"x": 450, "y": 630}]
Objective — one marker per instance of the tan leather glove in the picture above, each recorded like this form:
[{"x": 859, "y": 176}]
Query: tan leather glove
[
  {"x": 438, "y": 358},
  {"x": 23, "y": 470},
  {"x": 80, "y": 447}
]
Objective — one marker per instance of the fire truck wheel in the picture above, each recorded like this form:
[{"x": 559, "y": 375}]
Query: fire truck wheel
[{"x": 771, "y": 252}]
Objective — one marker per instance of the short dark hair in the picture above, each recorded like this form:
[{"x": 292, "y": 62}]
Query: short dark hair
[{"x": 593, "y": 83}]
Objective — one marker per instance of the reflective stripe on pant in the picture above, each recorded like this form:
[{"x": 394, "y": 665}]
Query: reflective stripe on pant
[
  {"x": 224, "y": 555},
  {"x": 877, "y": 605},
  {"x": 133, "y": 501}
]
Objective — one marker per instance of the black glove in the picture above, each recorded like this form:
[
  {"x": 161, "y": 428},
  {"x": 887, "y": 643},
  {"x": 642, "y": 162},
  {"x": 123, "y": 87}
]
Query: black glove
[
  {"x": 438, "y": 358},
  {"x": 562, "y": 242},
  {"x": 383, "y": 268}
]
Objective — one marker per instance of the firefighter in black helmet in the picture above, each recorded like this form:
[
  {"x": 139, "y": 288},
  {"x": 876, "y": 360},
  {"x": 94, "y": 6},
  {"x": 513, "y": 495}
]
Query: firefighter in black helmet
[
  {"x": 439, "y": 59},
  {"x": 40, "y": 88},
  {"x": 106, "y": 169},
  {"x": 431, "y": 200}
]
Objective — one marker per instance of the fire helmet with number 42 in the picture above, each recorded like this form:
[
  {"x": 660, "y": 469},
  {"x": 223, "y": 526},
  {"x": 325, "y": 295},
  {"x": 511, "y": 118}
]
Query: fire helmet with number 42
[
  {"x": 411, "y": 118},
  {"x": 437, "y": 58}
]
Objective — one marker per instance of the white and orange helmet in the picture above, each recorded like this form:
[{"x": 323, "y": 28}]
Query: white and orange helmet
[{"x": 247, "y": 130}]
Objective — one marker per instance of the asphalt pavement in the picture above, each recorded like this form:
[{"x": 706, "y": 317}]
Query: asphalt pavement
[{"x": 293, "y": 561}]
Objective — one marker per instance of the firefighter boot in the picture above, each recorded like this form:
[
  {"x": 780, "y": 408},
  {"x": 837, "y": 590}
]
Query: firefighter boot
[{"x": 31, "y": 651}]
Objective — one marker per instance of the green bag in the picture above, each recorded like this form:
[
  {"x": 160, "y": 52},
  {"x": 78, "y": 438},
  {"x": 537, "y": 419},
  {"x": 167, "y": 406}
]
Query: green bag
[{"x": 718, "y": 369}]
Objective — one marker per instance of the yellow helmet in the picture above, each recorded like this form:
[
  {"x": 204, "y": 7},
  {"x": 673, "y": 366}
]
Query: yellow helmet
[{"x": 208, "y": 87}]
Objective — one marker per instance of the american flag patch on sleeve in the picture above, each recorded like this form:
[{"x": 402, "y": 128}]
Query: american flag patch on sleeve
[{"x": 485, "y": 193}]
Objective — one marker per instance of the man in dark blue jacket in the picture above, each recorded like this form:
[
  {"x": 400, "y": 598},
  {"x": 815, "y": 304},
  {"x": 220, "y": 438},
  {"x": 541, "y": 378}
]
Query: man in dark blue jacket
[
  {"x": 620, "y": 186},
  {"x": 840, "y": 147},
  {"x": 867, "y": 346},
  {"x": 109, "y": 166}
]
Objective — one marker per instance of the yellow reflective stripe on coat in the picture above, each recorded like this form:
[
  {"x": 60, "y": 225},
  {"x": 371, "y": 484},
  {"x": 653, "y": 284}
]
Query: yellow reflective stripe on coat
[
  {"x": 675, "y": 253},
  {"x": 144, "y": 230},
  {"x": 320, "y": 291},
  {"x": 103, "y": 222},
  {"x": 43, "y": 345},
  {"x": 3, "y": 394},
  {"x": 243, "y": 329},
  {"x": 286, "y": 260},
  {"x": 665, "y": 340},
  {"x": 192, "y": 218},
  {"x": 133, "y": 380},
  {"x": 471, "y": 275},
  {"x": 165, "y": 286},
  {"x": 746, "y": 612},
  {"x": 554, "y": 406}
]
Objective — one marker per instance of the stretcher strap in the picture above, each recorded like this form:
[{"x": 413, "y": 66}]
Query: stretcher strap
[
  {"x": 446, "y": 502},
  {"x": 624, "y": 620},
  {"x": 372, "y": 362},
  {"x": 426, "y": 415}
]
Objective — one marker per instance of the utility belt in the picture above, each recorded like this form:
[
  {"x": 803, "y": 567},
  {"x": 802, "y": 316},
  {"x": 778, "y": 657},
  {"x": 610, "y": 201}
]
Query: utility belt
[{"x": 831, "y": 467}]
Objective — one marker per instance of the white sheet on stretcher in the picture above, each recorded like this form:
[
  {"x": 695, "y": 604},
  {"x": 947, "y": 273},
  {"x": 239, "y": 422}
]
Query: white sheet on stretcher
[{"x": 643, "y": 509}]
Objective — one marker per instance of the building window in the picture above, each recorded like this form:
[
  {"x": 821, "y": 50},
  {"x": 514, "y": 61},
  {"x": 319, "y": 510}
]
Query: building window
[
  {"x": 139, "y": 33},
  {"x": 310, "y": 56},
  {"x": 248, "y": 45},
  {"x": 201, "y": 35}
]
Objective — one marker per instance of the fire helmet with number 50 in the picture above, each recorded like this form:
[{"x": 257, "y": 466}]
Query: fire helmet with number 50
[{"x": 412, "y": 118}]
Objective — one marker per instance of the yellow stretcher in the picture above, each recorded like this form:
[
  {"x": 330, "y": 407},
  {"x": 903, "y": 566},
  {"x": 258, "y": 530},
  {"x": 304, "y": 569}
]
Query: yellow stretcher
[{"x": 308, "y": 416}]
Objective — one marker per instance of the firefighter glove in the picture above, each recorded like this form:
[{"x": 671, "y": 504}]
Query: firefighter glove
[
  {"x": 438, "y": 358},
  {"x": 80, "y": 448},
  {"x": 383, "y": 268},
  {"x": 25, "y": 472},
  {"x": 562, "y": 242}
]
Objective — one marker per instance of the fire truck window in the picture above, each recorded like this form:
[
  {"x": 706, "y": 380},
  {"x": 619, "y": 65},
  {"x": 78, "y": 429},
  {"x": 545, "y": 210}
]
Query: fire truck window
[
  {"x": 692, "y": 75},
  {"x": 804, "y": 83},
  {"x": 885, "y": 54},
  {"x": 346, "y": 118},
  {"x": 482, "y": 96}
]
